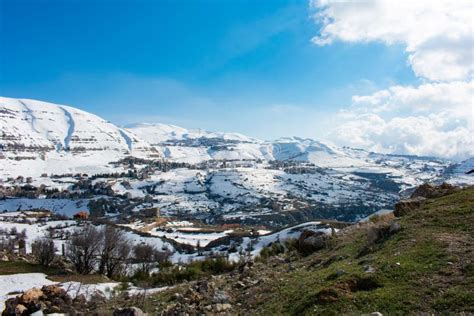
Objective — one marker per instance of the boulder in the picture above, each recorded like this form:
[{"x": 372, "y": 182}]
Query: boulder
[
  {"x": 128, "y": 311},
  {"x": 394, "y": 227},
  {"x": 20, "y": 309},
  {"x": 222, "y": 307},
  {"x": 221, "y": 297},
  {"x": 430, "y": 191},
  {"x": 80, "y": 300},
  {"x": 202, "y": 287},
  {"x": 31, "y": 296},
  {"x": 378, "y": 233},
  {"x": 10, "y": 307},
  {"x": 49, "y": 299},
  {"x": 53, "y": 291},
  {"x": 407, "y": 206},
  {"x": 311, "y": 241}
]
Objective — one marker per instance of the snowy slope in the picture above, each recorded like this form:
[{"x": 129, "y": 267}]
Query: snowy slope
[
  {"x": 462, "y": 173},
  {"x": 39, "y": 137},
  {"x": 158, "y": 133},
  {"x": 194, "y": 146}
]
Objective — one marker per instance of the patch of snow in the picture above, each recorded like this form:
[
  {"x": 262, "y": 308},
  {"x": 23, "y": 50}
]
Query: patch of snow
[{"x": 20, "y": 282}]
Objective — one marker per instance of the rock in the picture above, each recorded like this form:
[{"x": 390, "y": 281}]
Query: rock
[
  {"x": 222, "y": 307},
  {"x": 220, "y": 297},
  {"x": 128, "y": 311},
  {"x": 407, "y": 206},
  {"x": 432, "y": 191},
  {"x": 376, "y": 314},
  {"x": 97, "y": 297},
  {"x": 368, "y": 269},
  {"x": 5, "y": 258},
  {"x": 394, "y": 227},
  {"x": 53, "y": 291},
  {"x": 202, "y": 287},
  {"x": 80, "y": 300},
  {"x": 20, "y": 309},
  {"x": 311, "y": 241},
  {"x": 31, "y": 296},
  {"x": 48, "y": 299},
  {"x": 54, "y": 309}
]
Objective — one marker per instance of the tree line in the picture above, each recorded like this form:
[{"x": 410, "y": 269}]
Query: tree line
[{"x": 104, "y": 250}]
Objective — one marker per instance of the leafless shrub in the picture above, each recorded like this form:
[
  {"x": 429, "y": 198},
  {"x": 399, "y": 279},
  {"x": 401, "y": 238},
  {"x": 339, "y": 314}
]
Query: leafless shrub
[
  {"x": 83, "y": 248},
  {"x": 147, "y": 256},
  {"x": 44, "y": 251},
  {"x": 114, "y": 251}
]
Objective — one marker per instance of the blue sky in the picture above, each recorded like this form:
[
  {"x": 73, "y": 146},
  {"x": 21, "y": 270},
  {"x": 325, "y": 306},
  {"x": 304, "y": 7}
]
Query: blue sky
[{"x": 240, "y": 66}]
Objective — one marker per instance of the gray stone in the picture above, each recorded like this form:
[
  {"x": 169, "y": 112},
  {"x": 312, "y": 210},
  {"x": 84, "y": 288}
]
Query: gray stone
[
  {"x": 222, "y": 307},
  {"x": 220, "y": 297},
  {"x": 128, "y": 311},
  {"x": 368, "y": 269},
  {"x": 407, "y": 206},
  {"x": 394, "y": 227}
]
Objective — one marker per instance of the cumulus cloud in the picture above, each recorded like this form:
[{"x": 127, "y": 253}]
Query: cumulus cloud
[
  {"x": 433, "y": 119},
  {"x": 438, "y": 35}
]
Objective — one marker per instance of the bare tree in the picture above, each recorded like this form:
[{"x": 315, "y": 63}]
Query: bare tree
[
  {"x": 44, "y": 251},
  {"x": 83, "y": 248},
  {"x": 147, "y": 256},
  {"x": 114, "y": 250}
]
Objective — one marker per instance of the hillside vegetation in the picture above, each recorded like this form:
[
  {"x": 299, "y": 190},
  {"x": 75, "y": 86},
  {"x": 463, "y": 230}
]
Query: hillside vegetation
[
  {"x": 419, "y": 262},
  {"x": 426, "y": 264}
]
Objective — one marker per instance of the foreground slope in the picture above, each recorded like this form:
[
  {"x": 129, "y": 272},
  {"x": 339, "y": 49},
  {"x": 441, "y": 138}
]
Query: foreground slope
[{"x": 426, "y": 266}]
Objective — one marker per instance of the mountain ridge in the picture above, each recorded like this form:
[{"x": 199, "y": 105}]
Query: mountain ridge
[{"x": 39, "y": 137}]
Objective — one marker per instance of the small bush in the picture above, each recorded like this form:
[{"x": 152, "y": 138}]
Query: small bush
[
  {"x": 271, "y": 250},
  {"x": 291, "y": 244},
  {"x": 44, "y": 251},
  {"x": 191, "y": 271}
]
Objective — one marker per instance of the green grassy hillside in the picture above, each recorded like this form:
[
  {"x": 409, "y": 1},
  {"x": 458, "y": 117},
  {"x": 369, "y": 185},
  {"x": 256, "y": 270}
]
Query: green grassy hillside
[
  {"x": 421, "y": 262},
  {"x": 427, "y": 265}
]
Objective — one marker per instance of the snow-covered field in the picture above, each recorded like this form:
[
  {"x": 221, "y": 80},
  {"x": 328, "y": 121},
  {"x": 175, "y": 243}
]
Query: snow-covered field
[
  {"x": 20, "y": 282},
  {"x": 12, "y": 285},
  {"x": 59, "y": 206},
  {"x": 191, "y": 238}
]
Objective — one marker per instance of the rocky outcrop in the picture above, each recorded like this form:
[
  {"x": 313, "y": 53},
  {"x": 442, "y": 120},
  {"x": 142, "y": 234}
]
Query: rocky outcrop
[
  {"x": 430, "y": 191},
  {"x": 311, "y": 241},
  {"x": 49, "y": 299},
  {"x": 202, "y": 298},
  {"x": 407, "y": 206}
]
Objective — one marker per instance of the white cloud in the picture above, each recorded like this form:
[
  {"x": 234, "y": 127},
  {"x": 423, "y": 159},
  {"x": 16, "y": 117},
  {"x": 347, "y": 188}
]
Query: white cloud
[
  {"x": 431, "y": 120},
  {"x": 434, "y": 118},
  {"x": 438, "y": 34}
]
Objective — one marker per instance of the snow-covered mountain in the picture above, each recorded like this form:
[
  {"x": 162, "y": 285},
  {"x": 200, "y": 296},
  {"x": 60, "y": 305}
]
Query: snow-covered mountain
[
  {"x": 158, "y": 133},
  {"x": 188, "y": 172},
  {"x": 195, "y": 146},
  {"x": 39, "y": 137}
]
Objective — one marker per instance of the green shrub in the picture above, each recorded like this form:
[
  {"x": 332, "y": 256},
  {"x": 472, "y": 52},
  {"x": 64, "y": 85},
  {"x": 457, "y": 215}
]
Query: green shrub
[
  {"x": 271, "y": 250},
  {"x": 173, "y": 274}
]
